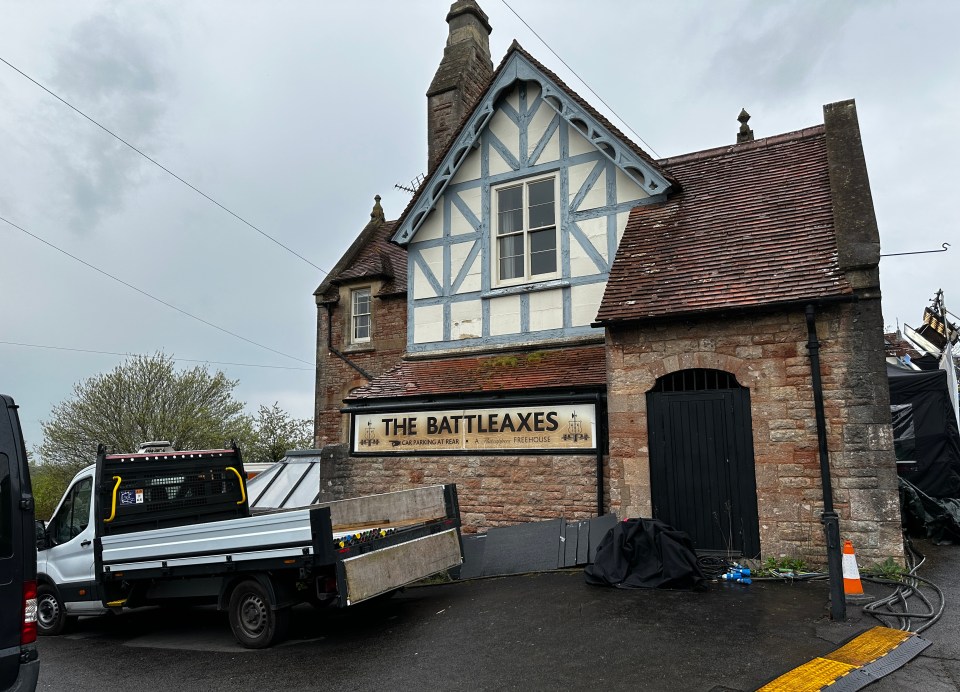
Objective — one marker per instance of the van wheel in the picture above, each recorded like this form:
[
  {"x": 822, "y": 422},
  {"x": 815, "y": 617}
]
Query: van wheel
[
  {"x": 255, "y": 624},
  {"x": 52, "y": 618}
]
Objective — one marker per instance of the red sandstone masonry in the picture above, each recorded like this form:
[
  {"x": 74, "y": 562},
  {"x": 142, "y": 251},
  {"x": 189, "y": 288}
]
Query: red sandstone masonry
[
  {"x": 774, "y": 366},
  {"x": 335, "y": 378},
  {"x": 492, "y": 490}
]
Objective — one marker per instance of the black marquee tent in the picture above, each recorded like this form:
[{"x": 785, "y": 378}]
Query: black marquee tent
[{"x": 925, "y": 431}]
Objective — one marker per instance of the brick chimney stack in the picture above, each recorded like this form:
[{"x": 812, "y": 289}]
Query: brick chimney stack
[{"x": 463, "y": 75}]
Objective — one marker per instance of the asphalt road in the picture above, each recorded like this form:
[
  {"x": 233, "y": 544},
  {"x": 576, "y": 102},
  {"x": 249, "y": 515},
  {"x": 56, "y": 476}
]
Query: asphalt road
[{"x": 536, "y": 632}]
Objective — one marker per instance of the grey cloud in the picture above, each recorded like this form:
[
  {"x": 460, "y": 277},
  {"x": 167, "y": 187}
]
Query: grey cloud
[
  {"x": 113, "y": 68},
  {"x": 776, "y": 47}
]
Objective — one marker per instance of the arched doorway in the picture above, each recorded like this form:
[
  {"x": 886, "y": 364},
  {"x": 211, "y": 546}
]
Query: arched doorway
[{"x": 702, "y": 477}]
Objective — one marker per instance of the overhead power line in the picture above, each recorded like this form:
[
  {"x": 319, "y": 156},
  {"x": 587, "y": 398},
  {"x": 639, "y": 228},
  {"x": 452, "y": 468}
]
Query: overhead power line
[
  {"x": 151, "y": 297},
  {"x": 181, "y": 360},
  {"x": 161, "y": 166},
  {"x": 582, "y": 81}
]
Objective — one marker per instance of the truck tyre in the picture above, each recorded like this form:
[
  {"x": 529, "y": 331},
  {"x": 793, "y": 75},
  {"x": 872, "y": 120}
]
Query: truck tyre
[
  {"x": 52, "y": 618},
  {"x": 255, "y": 624}
]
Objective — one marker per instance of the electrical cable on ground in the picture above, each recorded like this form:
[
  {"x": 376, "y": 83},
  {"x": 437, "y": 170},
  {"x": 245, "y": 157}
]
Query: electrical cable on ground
[
  {"x": 151, "y": 297},
  {"x": 895, "y": 606},
  {"x": 161, "y": 166},
  {"x": 910, "y": 585}
]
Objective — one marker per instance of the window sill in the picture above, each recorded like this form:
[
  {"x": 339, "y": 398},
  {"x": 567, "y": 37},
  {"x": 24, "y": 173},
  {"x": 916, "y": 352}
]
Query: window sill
[
  {"x": 359, "y": 348},
  {"x": 525, "y": 288}
]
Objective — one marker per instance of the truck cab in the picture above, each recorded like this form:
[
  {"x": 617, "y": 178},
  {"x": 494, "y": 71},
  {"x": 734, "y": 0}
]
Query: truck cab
[{"x": 67, "y": 586}]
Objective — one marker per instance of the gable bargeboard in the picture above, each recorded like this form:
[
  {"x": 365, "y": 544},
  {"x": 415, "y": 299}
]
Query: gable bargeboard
[{"x": 526, "y": 128}]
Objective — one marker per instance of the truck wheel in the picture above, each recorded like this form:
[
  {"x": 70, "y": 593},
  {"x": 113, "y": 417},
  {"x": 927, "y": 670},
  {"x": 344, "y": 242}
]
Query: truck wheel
[
  {"x": 255, "y": 624},
  {"x": 52, "y": 618}
]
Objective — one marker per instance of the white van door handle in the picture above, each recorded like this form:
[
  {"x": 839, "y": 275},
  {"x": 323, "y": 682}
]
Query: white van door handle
[{"x": 84, "y": 544}]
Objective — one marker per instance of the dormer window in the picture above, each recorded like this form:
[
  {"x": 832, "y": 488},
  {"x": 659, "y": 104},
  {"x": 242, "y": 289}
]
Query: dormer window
[
  {"x": 360, "y": 316},
  {"x": 525, "y": 229}
]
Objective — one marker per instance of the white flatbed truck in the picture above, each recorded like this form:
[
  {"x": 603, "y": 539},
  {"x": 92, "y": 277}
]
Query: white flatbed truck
[{"x": 150, "y": 529}]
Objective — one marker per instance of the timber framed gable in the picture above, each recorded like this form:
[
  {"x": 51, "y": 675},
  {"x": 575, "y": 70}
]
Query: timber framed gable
[{"x": 527, "y": 128}]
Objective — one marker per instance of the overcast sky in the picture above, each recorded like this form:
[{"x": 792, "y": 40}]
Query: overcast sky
[{"x": 293, "y": 115}]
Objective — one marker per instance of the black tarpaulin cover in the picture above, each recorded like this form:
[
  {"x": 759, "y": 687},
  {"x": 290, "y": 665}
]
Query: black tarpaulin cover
[
  {"x": 645, "y": 554},
  {"x": 936, "y": 519},
  {"x": 925, "y": 430}
]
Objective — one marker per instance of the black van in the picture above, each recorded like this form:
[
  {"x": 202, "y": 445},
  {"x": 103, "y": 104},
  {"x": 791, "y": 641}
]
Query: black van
[{"x": 19, "y": 660}]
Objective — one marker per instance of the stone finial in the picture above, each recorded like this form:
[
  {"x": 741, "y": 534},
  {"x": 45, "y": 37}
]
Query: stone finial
[
  {"x": 377, "y": 214},
  {"x": 745, "y": 134}
]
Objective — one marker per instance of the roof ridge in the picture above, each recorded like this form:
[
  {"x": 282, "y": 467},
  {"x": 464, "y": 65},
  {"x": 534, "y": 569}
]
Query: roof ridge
[{"x": 795, "y": 135}]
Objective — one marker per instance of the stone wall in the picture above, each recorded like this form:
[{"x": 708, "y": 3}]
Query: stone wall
[
  {"x": 335, "y": 378},
  {"x": 768, "y": 355},
  {"x": 493, "y": 490}
]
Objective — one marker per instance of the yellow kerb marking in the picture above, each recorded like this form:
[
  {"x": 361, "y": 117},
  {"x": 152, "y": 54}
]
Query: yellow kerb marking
[
  {"x": 820, "y": 672},
  {"x": 870, "y": 646},
  {"x": 812, "y": 676}
]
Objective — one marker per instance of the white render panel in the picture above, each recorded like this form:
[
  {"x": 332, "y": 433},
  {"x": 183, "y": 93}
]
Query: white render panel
[
  {"x": 544, "y": 116},
  {"x": 578, "y": 174},
  {"x": 433, "y": 256},
  {"x": 585, "y": 303},
  {"x": 467, "y": 320},
  {"x": 469, "y": 169},
  {"x": 578, "y": 143},
  {"x": 505, "y": 315},
  {"x": 546, "y": 310},
  {"x": 596, "y": 231},
  {"x": 627, "y": 190},
  {"x": 513, "y": 98},
  {"x": 458, "y": 255},
  {"x": 597, "y": 194},
  {"x": 422, "y": 288},
  {"x": 428, "y": 324},
  {"x": 507, "y": 132},
  {"x": 533, "y": 91},
  {"x": 458, "y": 223},
  {"x": 473, "y": 198},
  {"x": 551, "y": 152},
  {"x": 432, "y": 227},
  {"x": 497, "y": 164}
]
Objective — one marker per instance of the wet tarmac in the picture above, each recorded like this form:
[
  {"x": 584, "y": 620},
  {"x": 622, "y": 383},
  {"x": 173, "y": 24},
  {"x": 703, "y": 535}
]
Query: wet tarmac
[{"x": 542, "y": 631}]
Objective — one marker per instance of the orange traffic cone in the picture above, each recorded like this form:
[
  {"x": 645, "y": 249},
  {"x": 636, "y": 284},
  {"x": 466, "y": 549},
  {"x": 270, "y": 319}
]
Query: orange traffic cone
[{"x": 852, "y": 587}]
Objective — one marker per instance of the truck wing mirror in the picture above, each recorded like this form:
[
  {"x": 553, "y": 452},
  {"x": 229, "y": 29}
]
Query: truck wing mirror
[{"x": 43, "y": 540}]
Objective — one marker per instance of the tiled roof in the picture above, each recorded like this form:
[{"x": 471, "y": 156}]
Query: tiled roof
[
  {"x": 753, "y": 226},
  {"x": 516, "y": 48},
  {"x": 571, "y": 367},
  {"x": 372, "y": 256}
]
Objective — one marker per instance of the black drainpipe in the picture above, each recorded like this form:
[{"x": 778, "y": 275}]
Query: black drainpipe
[
  {"x": 829, "y": 518},
  {"x": 601, "y": 414},
  {"x": 335, "y": 351}
]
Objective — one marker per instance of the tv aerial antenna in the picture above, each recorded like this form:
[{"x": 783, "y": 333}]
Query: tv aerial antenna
[{"x": 413, "y": 186}]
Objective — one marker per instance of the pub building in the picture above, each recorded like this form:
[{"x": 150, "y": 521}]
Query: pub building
[{"x": 564, "y": 326}]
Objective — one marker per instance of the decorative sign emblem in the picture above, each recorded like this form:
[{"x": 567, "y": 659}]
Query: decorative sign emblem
[
  {"x": 575, "y": 430},
  {"x": 369, "y": 436},
  {"x": 539, "y": 428}
]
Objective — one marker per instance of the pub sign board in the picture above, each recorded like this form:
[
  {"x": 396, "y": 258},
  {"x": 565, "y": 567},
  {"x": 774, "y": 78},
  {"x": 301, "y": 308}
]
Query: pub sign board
[{"x": 560, "y": 428}]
